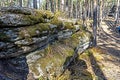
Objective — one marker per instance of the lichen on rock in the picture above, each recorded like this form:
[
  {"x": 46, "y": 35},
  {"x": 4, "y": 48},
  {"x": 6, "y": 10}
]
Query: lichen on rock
[{"x": 17, "y": 10}]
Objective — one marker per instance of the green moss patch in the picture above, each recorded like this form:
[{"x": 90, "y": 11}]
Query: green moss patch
[
  {"x": 34, "y": 30},
  {"x": 47, "y": 14},
  {"x": 57, "y": 22},
  {"x": 69, "y": 25},
  {"x": 37, "y": 17}
]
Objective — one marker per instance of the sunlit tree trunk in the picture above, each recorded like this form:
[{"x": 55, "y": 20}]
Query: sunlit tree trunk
[
  {"x": 59, "y": 5},
  {"x": 81, "y": 10},
  {"x": 52, "y": 4},
  {"x": 91, "y": 9},
  {"x": 28, "y": 3},
  {"x": 84, "y": 14},
  {"x": 71, "y": 8},
  {"x": 117, "y": 13},
  {"x": 56, "y": 5},
  {"x": 39, "y": 4},
  {"x": 100, "y": 12},
  {"x": 76, "y": 9},
  {"x": 62, "y": 5},
  {"x": 88, "y": 12},
  {"x": 64, "y": 8}
]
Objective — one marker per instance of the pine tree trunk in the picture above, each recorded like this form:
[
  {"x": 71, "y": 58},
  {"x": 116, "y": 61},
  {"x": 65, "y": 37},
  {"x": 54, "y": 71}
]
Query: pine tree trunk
[
  {"x": 46, "y": 5},
  {"x": 100, "y": 13},
  {"x": 95, "y": 23},
  {"x": 20, "y": 3},
  {"x": 84, "y": 14},
  {"x": 76, "y": 9},
  {"x": 52, "y": 5},
  {"x": 35, "y": 4},
  {"x": 39, "y": 4},
  {"x": 59, "y": 5},
  {"x": 71, "y": 9},
  {"x": 117, "y": 14},
  {"x": 91, "y": 9}
]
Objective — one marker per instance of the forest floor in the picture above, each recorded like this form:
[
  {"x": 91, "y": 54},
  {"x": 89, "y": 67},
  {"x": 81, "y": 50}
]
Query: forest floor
[{"x": 109, "y": 42}]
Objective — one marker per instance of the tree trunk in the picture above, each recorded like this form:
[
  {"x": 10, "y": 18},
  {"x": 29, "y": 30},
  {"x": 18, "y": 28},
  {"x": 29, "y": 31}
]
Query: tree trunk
[
  {"x": 39, "y": 4},
  {"x": 91, "y": 9},
  {"x": 20, "y": 3},
  {"x": 70, "y": 8},
  {"x": 62, "y": 5},
  {"x": 81, "y": 10},
  {"x": 76, "y": 9},
  {"x": 117, "y": 14},
  {"x": 59, "y": 5},
  {"x": 95, "y": 23},
  {"x": 100, "y": 13},
  {"x": 56, "y": 5},
  {"x": 84, "y": 14},
  {"x": 47, "y": 5},
  {"x": 28, "y": 3},
  {"x": 52, "y": 5},
  {"x": 35, "y": 4}
]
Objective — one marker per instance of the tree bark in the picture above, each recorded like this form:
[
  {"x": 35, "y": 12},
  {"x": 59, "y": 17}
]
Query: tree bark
[
  {"x": 100, "y": 13},
  {"x": 117, "y": 14},
  {"x": 52, "y": 5},
  {"x": 95, "y": 24},
  {"x": 39, "y": 4},
  {"x": 84, "y": 14},
  {"x": 59, "y": 5},
  {"x": 35, "y": 4},
  {"x": 47, "y": 5},
  {"x": 71, "y": 9}
]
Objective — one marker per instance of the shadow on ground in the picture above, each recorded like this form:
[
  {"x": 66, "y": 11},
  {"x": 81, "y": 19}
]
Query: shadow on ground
[
  {"x": 96, "y": 68},
  {"x": 111, "y": 41}
]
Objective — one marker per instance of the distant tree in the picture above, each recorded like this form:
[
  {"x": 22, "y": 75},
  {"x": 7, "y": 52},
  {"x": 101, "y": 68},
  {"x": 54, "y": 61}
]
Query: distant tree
[
  {"x": 100, "y": 10},
  {"x": 52, "y": 4},
  {"x": 117, "y": 13},
  {"x": 20, "y": 3},
  {"x": 71, "y": 9},
  {"x": 59, "y": 5},
  {"x": 84, "y": 13},
  {"x": 28, "y": 3},
  {"x": 39, "y": 3},
  {"x": 35, "y": 4},
  {"x": 47, "y": 5}
]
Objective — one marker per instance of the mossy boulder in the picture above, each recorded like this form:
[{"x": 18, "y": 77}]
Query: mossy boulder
[
  {"x": 46, "y": 42},
  {"x": 49, "y": 63}
]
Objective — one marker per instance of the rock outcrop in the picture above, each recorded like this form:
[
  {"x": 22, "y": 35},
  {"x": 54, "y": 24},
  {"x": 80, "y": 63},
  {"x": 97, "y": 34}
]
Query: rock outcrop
[{"x": 38, "y": 43}]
